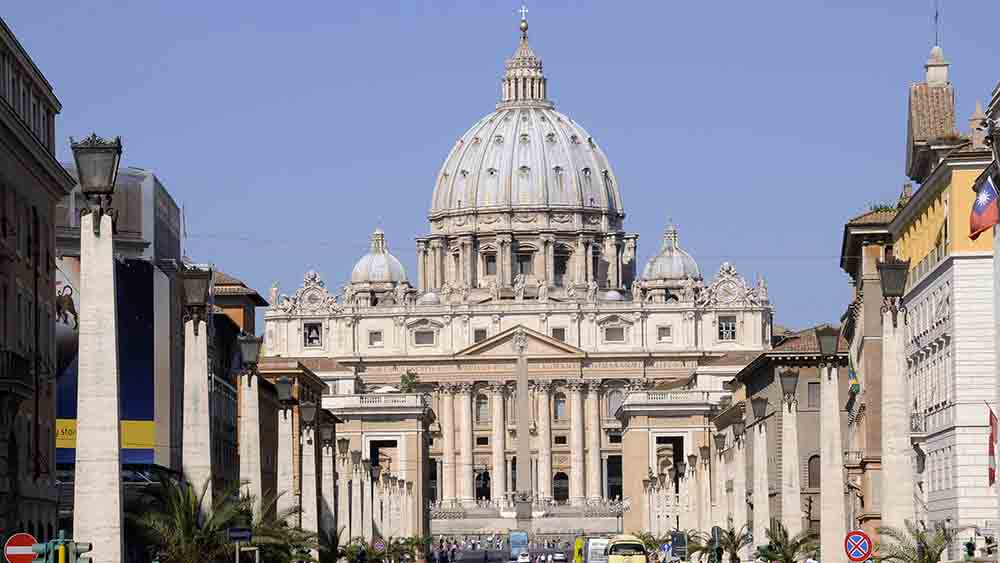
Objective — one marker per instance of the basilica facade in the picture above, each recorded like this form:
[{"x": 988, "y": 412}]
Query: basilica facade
[{"x": 526, "y": 256}]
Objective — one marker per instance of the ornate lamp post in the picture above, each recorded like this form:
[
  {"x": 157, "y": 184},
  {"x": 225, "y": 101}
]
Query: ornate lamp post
[
  {"x": 897, "y": 492},
  {"x": 328, "y": 473},
  {"x": 286, "y": 475},
  {"x": 311, "y": 469},
  {"x": 197, "y": 436},
  {"x": 761, "y": 483},
  {"x": 250, "y": 460},
  {"x": 791, "y": 483},
  {"x": 833, "y": 525},
  {"x": 98, "y": 431}
]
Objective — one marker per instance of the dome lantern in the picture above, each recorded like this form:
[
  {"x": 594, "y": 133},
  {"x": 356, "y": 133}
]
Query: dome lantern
[{"x": 523, "y": 81}]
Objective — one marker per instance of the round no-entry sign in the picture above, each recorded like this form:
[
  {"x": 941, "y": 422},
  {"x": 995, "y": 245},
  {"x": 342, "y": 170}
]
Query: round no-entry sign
[
  {"x": 18, "y": 548},
  {"x": 379, "y": 545},
  {"x": 858, "y": 546}
]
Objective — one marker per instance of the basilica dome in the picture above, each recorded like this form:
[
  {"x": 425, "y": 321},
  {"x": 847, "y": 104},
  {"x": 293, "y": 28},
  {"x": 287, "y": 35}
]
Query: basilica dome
[
  {"x": 378, "y": 266},
  {"x": 525, "y": 155},
  {"x": 671, "y": 263}
]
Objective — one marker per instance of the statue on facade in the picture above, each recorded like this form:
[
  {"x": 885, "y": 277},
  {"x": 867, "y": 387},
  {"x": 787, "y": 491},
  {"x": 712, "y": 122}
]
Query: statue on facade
[
  {"x": 399, "y": 293},
  {"x": 637, "y": 291},
  {"x": 571, "y": 291},
  {"x": 465, "y": 292},
  {"x": 494, "y": 290},
  {"x": 348, "y": 295},
  {"x": 445, "y": 293},
  {"x": 688, "y": 289},
  {"x": 592, "y": 291},
  {"x": 273, "y": 296},
  {"x": 520, "y": 283},
  {"x": 761, "y": 289},
  {"x": 543, "y": 290}
]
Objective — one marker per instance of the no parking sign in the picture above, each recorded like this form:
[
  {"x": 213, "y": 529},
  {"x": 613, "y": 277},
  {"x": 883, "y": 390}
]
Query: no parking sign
[{"x": 858, "y": 546}]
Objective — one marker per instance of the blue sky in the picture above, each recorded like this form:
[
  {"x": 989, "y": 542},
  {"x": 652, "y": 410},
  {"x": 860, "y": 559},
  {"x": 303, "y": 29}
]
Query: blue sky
[{"x": 288, "y": 133}]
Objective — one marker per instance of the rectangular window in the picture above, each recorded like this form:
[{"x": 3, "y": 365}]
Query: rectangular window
[
  {"x": 375, "y": 338},
  {"x": 479, "y": 335},
  {"x": 664, "y": 333},
  {"x": 614, "y": 437},
  {"x": 482, "y": 440},
  {"x": 812, "y": 400},
  {"x": 312, "y": 335},
  {"x": 524, "y": 263},
  {"x": 727, "y": 328},
  {"x": 560, "y": 267},
  {"x": 423, "y": 338},
  {"x": 491, "y": 264},
  {"x": 614, "y": 334},
  {"x": 560, "y": 440},
  {"x": 559, "y": 334}
]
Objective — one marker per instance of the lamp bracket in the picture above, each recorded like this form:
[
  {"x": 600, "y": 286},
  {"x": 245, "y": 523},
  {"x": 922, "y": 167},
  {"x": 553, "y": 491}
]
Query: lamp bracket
[
  {"x": 101, "y": 206},
  {"x": 196, "y": 313},
  {"x": 894, "y": 305}
]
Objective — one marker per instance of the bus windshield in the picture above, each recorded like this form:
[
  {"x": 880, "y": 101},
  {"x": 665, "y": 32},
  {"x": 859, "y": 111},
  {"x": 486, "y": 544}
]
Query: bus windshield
[{"x": 518, "y": 543}]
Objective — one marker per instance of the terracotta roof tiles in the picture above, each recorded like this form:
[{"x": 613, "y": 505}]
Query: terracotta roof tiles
[{"x": 932, "y": 111}]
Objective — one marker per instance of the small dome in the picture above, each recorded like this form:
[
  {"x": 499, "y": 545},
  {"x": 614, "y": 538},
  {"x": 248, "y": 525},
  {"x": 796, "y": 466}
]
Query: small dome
[
  {"x": 671, "y": 263},
  {"x": 378, "y": 266},
  {"x": 429, "y": 298},
  {"x": 612, "y": 295}
]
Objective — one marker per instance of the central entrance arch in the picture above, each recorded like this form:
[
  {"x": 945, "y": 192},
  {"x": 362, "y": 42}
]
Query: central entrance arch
[
  {"x": 483, "y": 485},
  {"x": 560, "y": 487}
]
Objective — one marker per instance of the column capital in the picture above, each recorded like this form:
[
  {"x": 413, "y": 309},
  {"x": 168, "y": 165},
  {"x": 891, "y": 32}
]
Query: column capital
[
  {"x": 446, "y": 388},
  {"x": 464, "y": 387},
  {"x": 498, "y": 388},
  {"x": 576, "y": 385},
  {"x": 541, "y": 386},
  {"x": 594, "y": 386}
]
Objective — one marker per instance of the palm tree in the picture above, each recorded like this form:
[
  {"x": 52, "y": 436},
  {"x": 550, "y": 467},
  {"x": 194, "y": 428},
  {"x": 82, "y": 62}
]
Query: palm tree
[
  {"x": 699, "y": 544},
  {"x": 915, "y": 544},
  {"x": 732, "y": 540},
  {"x": 278, "y": 541},
  {"x": 176, "y": 520},
  {"x": 783, "y": 549}
]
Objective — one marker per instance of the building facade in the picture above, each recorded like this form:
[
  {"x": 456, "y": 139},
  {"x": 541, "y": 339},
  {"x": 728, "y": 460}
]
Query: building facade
[
  {"x": 949, "y": 340},
  {"x": 31, "y": 183},
  {"x": 526, "y": 245}
]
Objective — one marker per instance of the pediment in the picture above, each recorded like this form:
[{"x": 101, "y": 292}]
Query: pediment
[{"x": 538, "y": 344}]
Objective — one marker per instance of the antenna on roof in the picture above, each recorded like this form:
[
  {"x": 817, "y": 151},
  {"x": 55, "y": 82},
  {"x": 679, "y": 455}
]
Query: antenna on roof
[
  {"x": 937, "y": 20},
  {"x": 184, "y": 232}
]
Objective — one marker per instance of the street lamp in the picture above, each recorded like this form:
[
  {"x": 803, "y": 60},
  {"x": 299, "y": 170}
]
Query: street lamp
[
  {"x": 828, "y": 337},
  {"x": 789, "y": 382},
  {"x": 307, "y": 412},
  {"x": 197, "y": 286},
  {"x": 739, "y": 427},
  {"x": 343, "y": 446},
  {"x": 892, "y": 274},
  {"x": 704, "y": 452},
  {"x": 249, "y": 349},
  {"x": 97, "y": 162},
  {"x": 284, "y": 387},
  {"x": 326, "y": 433},
  {"x": 375, "y": 471},
  {"x": 720, "y": 441},
  {"x": 759, "y": 405},
  {"x": 355, "y": 457},
  {"x": 681, "y": 469}
]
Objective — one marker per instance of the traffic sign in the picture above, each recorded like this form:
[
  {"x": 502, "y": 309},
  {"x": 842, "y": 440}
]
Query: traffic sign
[
  {"x": 18, "y": 548},
  {"x": 240, "y": 534},
  {"x": 379, "y": 545},
  {"x": 858, "y": 546}
]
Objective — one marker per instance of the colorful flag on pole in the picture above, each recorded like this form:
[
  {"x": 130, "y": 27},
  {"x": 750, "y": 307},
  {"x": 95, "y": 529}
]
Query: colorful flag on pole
[
  {"x": 985, "y": 211},
  {"x": 994, "y": 434},
  {"x": 852, "y": 377}
]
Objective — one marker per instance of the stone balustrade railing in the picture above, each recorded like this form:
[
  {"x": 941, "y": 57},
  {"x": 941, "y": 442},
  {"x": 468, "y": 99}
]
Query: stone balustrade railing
[
  {"x": 669, "y": 397},
  {"x": 375, "y": 401}
]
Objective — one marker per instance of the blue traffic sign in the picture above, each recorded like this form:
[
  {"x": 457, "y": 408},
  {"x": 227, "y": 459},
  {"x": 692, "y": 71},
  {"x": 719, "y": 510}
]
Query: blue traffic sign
[{"x": 858, "y": 546}]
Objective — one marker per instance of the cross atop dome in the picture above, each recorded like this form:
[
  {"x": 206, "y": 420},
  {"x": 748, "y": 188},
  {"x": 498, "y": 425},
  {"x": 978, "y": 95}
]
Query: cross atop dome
[{"x": 523, "y": 82}]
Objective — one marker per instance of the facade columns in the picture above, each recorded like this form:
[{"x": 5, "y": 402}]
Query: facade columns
[
  {"x": 309, "y": 481},
  {"x": 594, "y": 441},
  {"x": 343, "y": 515},
  {"x": 588, "y": 260},
  {"x": 504, "y": 261},
  {"x": 250, "y": 461},
  {"x": 833, "y": 525},
  {"x": 468, "y": 261},
  {"x": 897, "y": 473},
  {"x": 466, "y": 475},
  {"x": 576, "y": 480},
  {"x": 437, "y": 273},
  {"x": 499, "y": 442},
  {"x": 791, "y": 475},
  {"x": 367, "y": 508},
  {"x": 197, "y": 438},
  {"x": 286, "y": 471},
  {"x": 581, "y": 261},
  {"x": 542, "y": 389},
  {"x": 761, "y": 502},
  {"x": 447, "y": 396},
  {"x": 421, "y": 266},
  {"x": 704, "y": 489},
  {"x": 611, "y": 255},
  {"x": 98, "y": 445}
]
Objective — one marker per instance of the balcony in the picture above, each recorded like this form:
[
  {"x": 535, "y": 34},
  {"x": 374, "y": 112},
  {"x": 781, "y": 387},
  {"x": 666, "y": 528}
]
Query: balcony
[
  {"x": 918, "y": 428},
  {"x": 670, "y": 402},
  {"x": 376, "y": 404},
  {"x": 15, "y": 375},
  {"x": 852, "y": 458}
]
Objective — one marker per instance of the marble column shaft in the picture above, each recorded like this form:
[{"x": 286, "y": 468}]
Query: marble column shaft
[
  {"x": 499, "y": 478},
  {"x": 343, "y": 516},
  {"x": 250, "y": 460},
  {"x": 791, "y": 479},
  {"x": 544, "y": 439},
  {"x": 286, "y": 472},
  {"x": 897, "y": 491},
  {"x": 594, "y": 441},
  {"x": 357, "y": 502},
  {"x": 328, "y": 490},
  {"x": 576, "y": 480},
  {"x": 98, "y": 431},
  {"x": 367, "y": 508},
  {"x": 309, "y": 481},
  {"x": 761, "y": 502},
  {"x": 705, "y": 495},
  {"x": 833, "y": 525},
  {"x": 197, "y": 428},
  {"x": 467, "y": 478},
  {"x": 448, "y": 434},
  {"x": 740, "y": 486},
  {"x": 378, "y": 509}
]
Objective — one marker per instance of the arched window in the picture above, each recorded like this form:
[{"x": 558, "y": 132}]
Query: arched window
[
  {"x": 482, "y": 408},
  {"x": 559, "y": 406},
  {"x": 814, "y": 472},
  {"x": 614, "y": 401},
  {"x": 483, "y": 485},
  {"x": 560, "y": 487}
]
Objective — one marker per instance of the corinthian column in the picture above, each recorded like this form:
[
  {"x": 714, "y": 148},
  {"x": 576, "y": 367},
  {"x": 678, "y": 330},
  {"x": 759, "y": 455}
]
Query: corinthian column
[
  {"x": 328, "y": 481},
  {"x": 499, "y": 480},
  {"x": 791, "y": 483},
  {"x": 704, "y": 488},
  {"x": 576, "y": 482},
  {"x": 594, "y": 441},
  {"x": 542, "y": 389},
  {"x": 831, "y": 493},
  {"x": 447, "y": 397},
  {"x": 466, "y": 476}
]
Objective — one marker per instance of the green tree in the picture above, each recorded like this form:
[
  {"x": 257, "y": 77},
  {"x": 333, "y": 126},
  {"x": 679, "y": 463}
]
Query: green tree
[
  {"x": 408, "y": 382},
  {"x": 784, "y": 549},
  {"x": 699, "y": 545},
  {"x": 732, "y": 540},
  {"x": 915, "y": 544},
  {"x": 277, "y": 539}
]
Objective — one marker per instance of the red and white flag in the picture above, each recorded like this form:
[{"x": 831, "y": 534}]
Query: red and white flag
[{"x": 994, "y": 434}]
